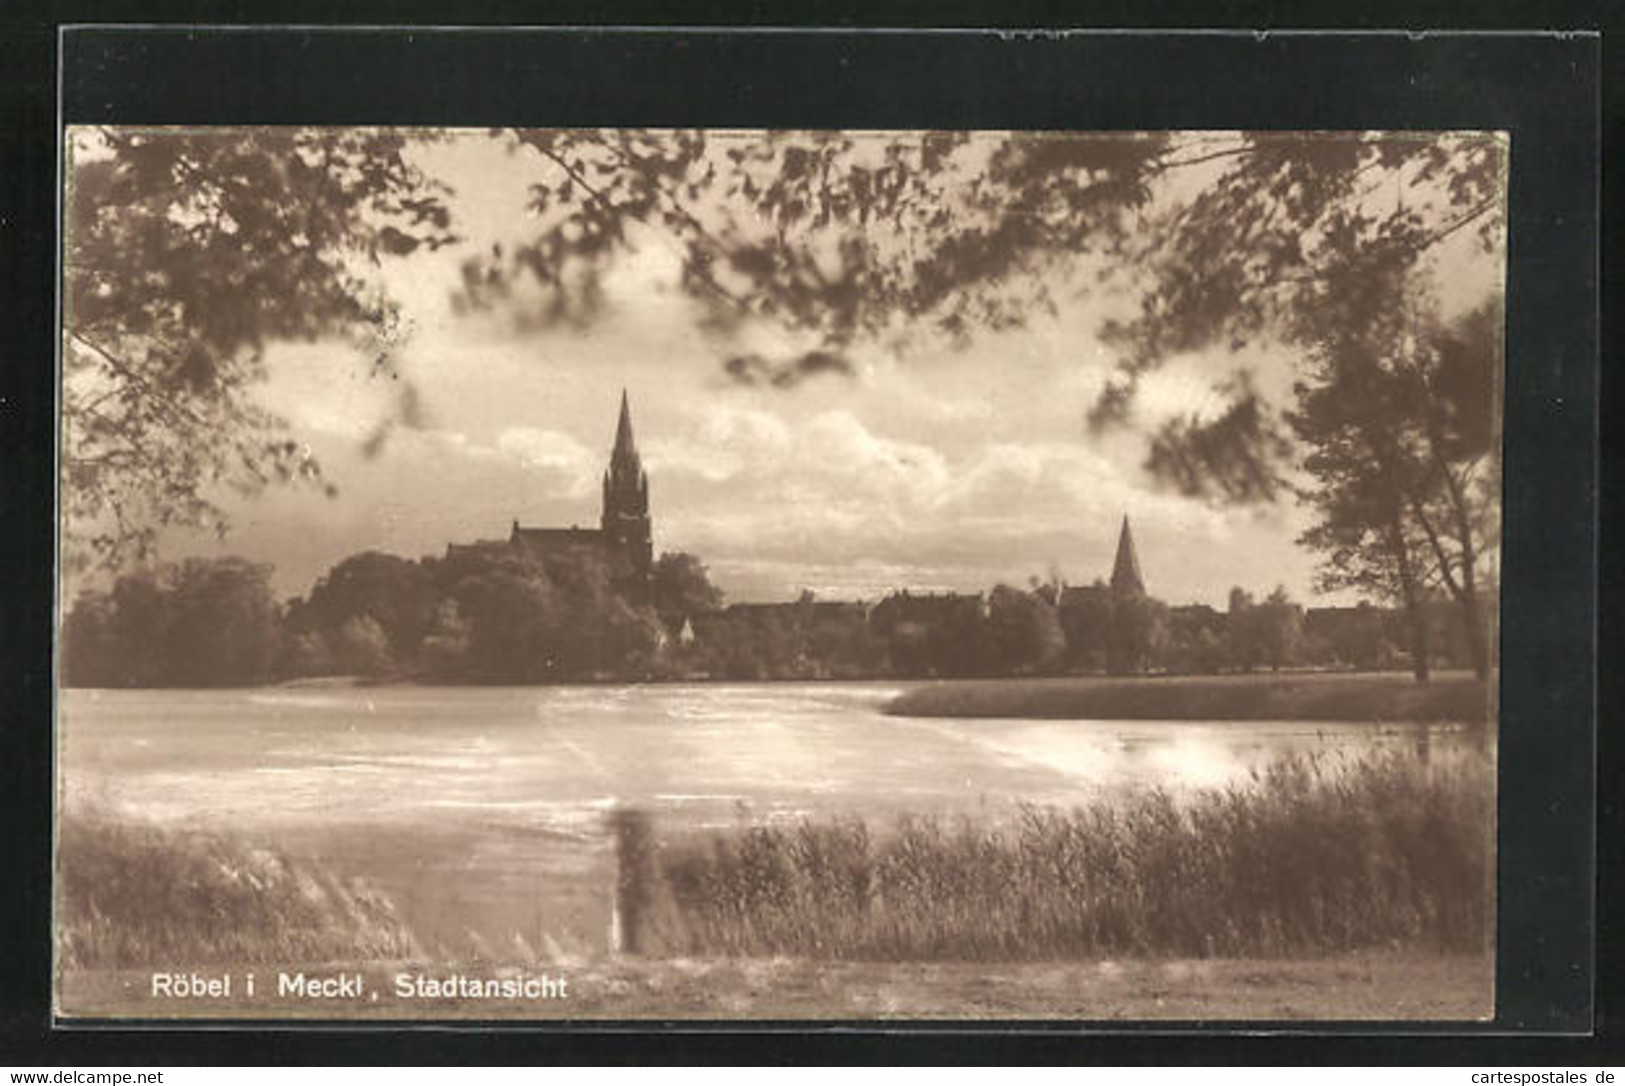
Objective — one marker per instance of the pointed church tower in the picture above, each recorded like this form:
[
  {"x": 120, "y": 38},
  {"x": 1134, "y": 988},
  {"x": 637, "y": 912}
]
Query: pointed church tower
[
  {"x": 1126, "y": 570},
  {"x": 626, "y": 498}
]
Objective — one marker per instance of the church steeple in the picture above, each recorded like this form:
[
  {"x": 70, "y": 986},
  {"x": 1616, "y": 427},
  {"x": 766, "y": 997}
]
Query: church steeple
[
  {"x": 625, "y": 448},
  {"x": 1126, "y": 570},
  {"x": 626, "y": 496},
  {"x": 625, "y": 477}
]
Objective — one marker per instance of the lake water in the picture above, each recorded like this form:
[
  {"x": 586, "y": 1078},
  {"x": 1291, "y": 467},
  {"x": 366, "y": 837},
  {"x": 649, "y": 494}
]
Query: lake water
[{"x": 482, "y": 810}]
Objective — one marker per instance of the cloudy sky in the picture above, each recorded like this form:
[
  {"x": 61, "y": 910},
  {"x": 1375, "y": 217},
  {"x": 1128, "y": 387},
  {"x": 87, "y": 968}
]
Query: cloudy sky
[{"x": 942, "y": 469}]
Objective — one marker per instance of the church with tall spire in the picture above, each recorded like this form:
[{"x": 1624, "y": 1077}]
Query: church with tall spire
[
  {"x": 625, "y": 519},
  {"x": 625, "y": 535}
]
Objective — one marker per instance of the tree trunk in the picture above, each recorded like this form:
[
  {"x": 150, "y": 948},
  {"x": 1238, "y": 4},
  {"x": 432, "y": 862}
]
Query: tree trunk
[
  {"x": 1464, "y": 592},
  {"x": 1414, "y": 617},
  {"x": 1478, "y": 647}
]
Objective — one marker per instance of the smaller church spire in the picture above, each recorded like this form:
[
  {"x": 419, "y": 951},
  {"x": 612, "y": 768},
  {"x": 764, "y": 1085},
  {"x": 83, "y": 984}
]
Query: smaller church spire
[{"x": 1126, "y": 570}]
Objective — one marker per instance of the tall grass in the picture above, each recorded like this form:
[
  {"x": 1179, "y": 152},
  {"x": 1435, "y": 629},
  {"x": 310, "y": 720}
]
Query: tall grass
[
  {"x": 133, "y": 896},
  {"x": 1306, "y": 861}
]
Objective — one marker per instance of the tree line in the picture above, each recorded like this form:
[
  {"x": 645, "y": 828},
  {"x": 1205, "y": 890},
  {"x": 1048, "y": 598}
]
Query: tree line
[
  {"x": 188, "y": 252},
  {"x": 493, "y": 613}
]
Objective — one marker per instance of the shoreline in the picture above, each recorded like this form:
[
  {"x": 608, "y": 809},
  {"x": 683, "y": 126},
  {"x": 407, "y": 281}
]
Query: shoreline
[
  {"x": 1372, "y": 697},
  {"x": 1375, "y": 697}
]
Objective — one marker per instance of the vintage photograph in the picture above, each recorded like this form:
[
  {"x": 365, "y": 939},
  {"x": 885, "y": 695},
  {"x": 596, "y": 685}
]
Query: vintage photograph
[{"x": 604, "y": 574}]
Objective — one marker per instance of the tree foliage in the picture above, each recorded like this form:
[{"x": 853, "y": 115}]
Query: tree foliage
[
  {"x": 1137, "y": 636},
  {"x": 394, "y": 593},
  {"x": 1280, "y": 629},
  {"x": 501, "y": 614},
  {"x": 1399, "y": 413},
  {"x": 1023, "y": 632},
  {"x": 204, "y": 622},
  {"x": 1275, "y": 247},
  {"x": 187, "y": 252},
  {"x": 518, "y": 616},
  {"x": 681, "y": 585},
  {"x": 830, "y": 235},
  {"x": 361, "y": 647},
  {"x": 1212, "y": 240}
]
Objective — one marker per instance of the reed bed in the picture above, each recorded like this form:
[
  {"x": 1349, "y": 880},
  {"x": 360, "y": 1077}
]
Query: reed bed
[
  {"x": 1308, "y": 860},
  {"x": 132, "y": 895},
  {"x": 1457, "y": 698}
]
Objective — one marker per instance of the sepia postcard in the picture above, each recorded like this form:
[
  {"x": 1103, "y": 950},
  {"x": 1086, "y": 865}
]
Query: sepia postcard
[{"x": 612, "y": 574}]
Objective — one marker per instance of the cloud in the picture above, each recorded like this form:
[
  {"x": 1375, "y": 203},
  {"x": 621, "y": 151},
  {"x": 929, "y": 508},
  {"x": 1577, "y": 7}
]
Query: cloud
[
  {"x": 562, "y": 460},
  {"x": 800, "y": 500},
  {"x": 722, "y": 441},
  {"x": 906, "y": 392},
  {"x": 1182, "y": 386},
  {"x": 831, "y": 457},
  {"x": 837, "y": 500},
  {"x": 836, "y": 444},
  {"x": 747, "y": 433}
]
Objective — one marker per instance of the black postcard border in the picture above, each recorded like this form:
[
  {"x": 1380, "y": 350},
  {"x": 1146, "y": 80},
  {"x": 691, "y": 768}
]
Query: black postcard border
[{"x": 1542, "y": 89}]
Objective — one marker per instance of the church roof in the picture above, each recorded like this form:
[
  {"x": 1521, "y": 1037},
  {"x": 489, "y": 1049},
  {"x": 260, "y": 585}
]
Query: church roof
[
  {"x": 562, "y": 542},
  {"x": 1126, "y": 570},
  {"x": 558, "y": 536},
  {"x": 1079, "y": 593}
]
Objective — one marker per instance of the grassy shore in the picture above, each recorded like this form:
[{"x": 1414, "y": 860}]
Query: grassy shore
[
  {"x": 1384, "y": 697},
  {"x": 1317, "y": 891},
  {"x": 137, "y": 895},
  {"x": 1310, "y": 861}
]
